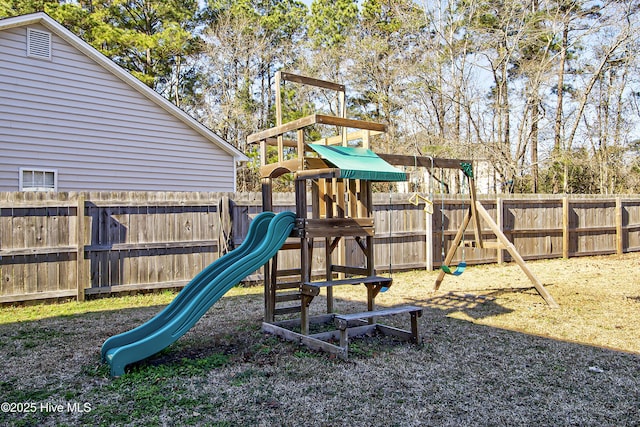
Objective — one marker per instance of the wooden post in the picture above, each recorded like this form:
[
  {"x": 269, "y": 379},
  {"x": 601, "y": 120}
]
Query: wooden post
[
  {"x": 300, "y": 148},
  {"x": 353, "y": 199},
  {"x": 328, "y": 204},
  {"x": 516, "y": 255},
  {"x": 341, "y": 213},
  {"x": 365, "y": 138},
  {"x": 280, "y": 140},
  {"x": 269, "y": 283},
  {"x": 322, "y": 195},
  {"x": 500, "y": 224},
  {"x": 372, "y": 291},
  {"x": 343, "y": 113},
  {"x": 477, "y": 228},
  {"x": 80, "y": 232},
  {"x": 428, "y": 230},
  {"x": 367, "y": 200},
  {"x": 263, "y": 153},
  {"x": 305, "y": 260},
  {"x": 565, "y": 227},
  {"x": 619, "y": 230}
]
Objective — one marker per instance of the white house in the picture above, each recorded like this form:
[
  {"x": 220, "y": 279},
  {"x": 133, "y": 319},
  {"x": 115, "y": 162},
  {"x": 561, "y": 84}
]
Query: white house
[{"x": 73, "y": 120}]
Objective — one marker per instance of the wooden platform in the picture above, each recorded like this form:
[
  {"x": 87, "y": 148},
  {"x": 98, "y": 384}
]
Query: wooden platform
[
  {"x": 313, "y": 288},
  {"x": 347, "y": 326}
]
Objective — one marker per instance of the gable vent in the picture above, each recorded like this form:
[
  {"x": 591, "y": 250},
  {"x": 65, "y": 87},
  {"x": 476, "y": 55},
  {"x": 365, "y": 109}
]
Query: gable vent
[{"x": 38, "y": 44}]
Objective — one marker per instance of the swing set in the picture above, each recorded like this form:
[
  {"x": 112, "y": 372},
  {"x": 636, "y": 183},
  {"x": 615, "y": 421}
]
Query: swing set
[{"x": 475, "y": 215}]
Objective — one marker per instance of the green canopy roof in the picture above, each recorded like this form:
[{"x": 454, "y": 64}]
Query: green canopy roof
[{"x": 358, "y": 163}]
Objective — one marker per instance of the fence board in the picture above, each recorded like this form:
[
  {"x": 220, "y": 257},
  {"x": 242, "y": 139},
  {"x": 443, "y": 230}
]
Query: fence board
[{"x": 131, "y": 240}]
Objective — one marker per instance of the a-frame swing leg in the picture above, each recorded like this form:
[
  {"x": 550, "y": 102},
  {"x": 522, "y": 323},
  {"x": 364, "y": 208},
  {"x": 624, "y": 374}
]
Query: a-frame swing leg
[
  {"x": 452, "y": 250},
  {"x": 506, "y": 243},
  {"x": 515, "y": 255}
]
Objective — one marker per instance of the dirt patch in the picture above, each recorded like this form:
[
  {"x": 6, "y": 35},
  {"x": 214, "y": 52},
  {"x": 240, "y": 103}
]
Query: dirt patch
[{"x": 492, "y": 353}]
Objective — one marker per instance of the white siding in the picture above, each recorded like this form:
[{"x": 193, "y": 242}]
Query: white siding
[{"x": 72, "y": 115}]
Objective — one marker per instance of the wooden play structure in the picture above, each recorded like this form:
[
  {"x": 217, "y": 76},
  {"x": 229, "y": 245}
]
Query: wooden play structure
[{"x": 333, "y": 179}]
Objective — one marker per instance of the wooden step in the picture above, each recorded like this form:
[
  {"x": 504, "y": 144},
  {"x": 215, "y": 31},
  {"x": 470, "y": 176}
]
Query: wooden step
[
  {"x": 287, "y": 310},
  {"x": 342, "y": 323},
  {"x": 287, "y": 296},
  {"x": 351, "y": 281},
  {"x": 287, "y": 285},
  {"x": 313, "y": 288},
  {"x": 342, "y": 320},
  {"x": 289, "y": 272}
]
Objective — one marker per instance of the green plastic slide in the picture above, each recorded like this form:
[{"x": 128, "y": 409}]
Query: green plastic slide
[{"x": 266, "y": 235}]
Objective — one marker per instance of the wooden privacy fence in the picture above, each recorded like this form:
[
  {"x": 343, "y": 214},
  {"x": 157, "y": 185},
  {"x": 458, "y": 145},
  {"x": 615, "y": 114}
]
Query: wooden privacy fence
[
  {"x": 60, "y": 245},
  {"x": 57, "y": 245}
]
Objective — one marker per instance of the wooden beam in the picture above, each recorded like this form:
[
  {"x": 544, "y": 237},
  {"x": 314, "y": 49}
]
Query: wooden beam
[
  {"x": 279, "y": 117},
  {"x": 516, "y": 256},
  {"x": 273, "y": 142},
  {"x": 311, "y": 342},
  {"x": 346, "y": 269},
  {"x": 300, "y": 141},
  {"x": 263, "y": 152},
  {"x": 57, "y": 250},
  {"x": 310, "y": 81},
  {"x": 114, "y": 247},
  {"x": 422, "y": 161},
  {"x": 318, "y": 173},
  {"x": 38, "y": 296},
  {"x": 493, "y": 245},
  {"x": 474, "y": 215},
  {"x": 305, "y": 256},
  {"x": 339, "y": 227},
  {"x": 350, "y": 123},
  {"x": 353, "y": 199},
  {"x": 279, "y": 130},
  {"x": 312, "y": 120},
  {"x": 351, "y": 136},
  {"x": 278, "y": 78}
]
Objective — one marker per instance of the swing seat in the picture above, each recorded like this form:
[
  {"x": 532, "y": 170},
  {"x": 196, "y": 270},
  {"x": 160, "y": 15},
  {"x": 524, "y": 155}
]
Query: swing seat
[{"x": 458, "y": 271}]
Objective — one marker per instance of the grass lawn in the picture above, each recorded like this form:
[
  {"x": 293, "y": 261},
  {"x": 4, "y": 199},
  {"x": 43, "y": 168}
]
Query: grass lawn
[{"x": 492, "y": 354}]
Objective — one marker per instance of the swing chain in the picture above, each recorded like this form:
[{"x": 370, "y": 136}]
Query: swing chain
[{"x": 467, "y": 169}]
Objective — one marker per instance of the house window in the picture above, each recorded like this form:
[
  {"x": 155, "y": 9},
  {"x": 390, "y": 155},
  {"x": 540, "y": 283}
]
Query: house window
[
  {"x": 38, "y": 44},
  {"x": 38, "y": 179}
]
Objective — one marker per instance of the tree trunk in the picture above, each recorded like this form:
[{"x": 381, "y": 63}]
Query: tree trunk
[
  {"x": 535, "y": 111},
  {"x": 557, "y": 140}
]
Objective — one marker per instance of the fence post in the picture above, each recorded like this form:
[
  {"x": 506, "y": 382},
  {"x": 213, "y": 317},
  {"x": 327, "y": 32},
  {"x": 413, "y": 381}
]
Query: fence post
[
  {"x": 80, "y": 231},
  {"x": 619, "y": 219},
  {"x": 428, "y": 223},
  {"x": 565, "y": 227},
  {"x": 499, "y": 223}
]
